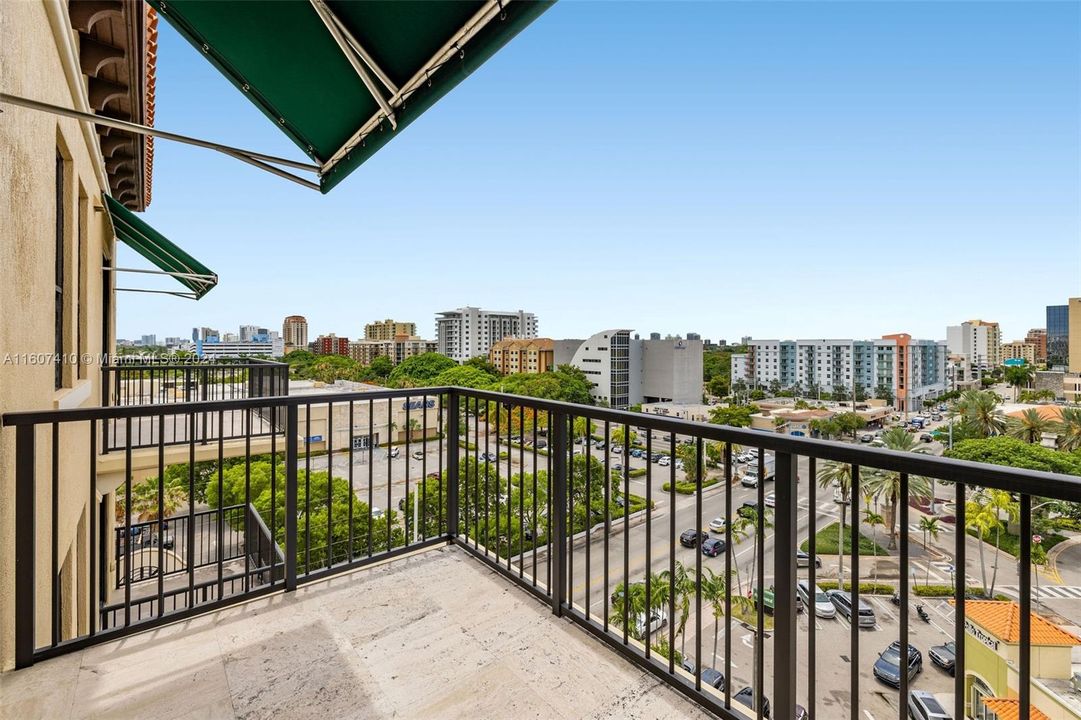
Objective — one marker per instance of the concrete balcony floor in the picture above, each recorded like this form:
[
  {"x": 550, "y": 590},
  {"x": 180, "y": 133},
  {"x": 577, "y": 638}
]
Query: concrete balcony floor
[{"x": 435, "y": 635}]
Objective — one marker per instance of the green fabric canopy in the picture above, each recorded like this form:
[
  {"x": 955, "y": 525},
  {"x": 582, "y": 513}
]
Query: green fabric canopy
[
  {"x": 286, "y": 57},
  {"x": 156, "y": 248}
]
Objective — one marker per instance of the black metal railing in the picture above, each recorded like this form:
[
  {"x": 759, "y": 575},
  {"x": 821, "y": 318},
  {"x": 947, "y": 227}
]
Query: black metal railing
[
  {"x": 620, "y": 533},
  {"x": 170, "y": 383}
]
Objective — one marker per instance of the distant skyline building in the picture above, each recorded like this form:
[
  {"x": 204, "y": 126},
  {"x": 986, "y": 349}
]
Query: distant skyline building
[
  {"x": 389, "y": 329},
  {"x": 979, "y": 341},
  {"x": 468, "y": 332},
  {"x": 1058, "y": 335},
  {"x": 518, "y": 355},
  {"x": 1038, "y": 338},
  {"x": 1019, "y": 350},
  {"x": 149, "y": 340},
  {"x": 396, "y": 349},
  {"x": 1073, "y": 331},
  {"x": 295, "y": 332},
  {"x": 223, "y": 349},
  {"x": 331, "y": 345}
]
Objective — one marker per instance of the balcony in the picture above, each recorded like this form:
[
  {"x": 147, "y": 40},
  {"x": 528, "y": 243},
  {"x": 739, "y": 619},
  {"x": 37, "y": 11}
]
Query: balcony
[{"x": 489, "y": 556}]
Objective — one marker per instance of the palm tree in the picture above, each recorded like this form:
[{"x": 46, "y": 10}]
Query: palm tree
[
  {"x": 414, "y": 425},
  {"x": 998, "y": 502},
  {"x": 886, "y": 485},
  {"x": 714, "y": 590},
  {"x": 1031, "y": 426},
  {"x": 928, "y": 526},
  {"x": 979, "y": 516},
  {"x": 840, "y": 474},
  {"x": 1069, "y": 439},
  {"x": 874, "y": 520},
  {"x": 979, "y": 411},
  {"x": 684, "y": 586},
  {"x": 1019, "y": 376},
  {"x": 635, "y": 608}
]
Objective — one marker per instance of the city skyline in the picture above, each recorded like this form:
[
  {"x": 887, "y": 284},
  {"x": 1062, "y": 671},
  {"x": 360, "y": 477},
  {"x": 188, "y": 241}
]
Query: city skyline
[{"x": 788, "y": 172}]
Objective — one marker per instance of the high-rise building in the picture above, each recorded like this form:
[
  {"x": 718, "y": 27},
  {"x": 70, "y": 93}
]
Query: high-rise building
[
  {"x": 980, "y": 342},
  {"x": 517, "y": 355},
  {"x": 247, "y": 332},
  {"x": 149, "y": 340},
  {"x": 1073, "y": 332},
  {"x": 1038, "y": 338},
  {"x": 468, "y": 331},
  {"x": 1058, "y": 335},
  {"x": 331, "y": 345},
  {"x": 295, "y": 332},
  {"x": 625, "y": 371},
  {"x": 389, "y": 329},
  {"x": 1019, "y": 350}
]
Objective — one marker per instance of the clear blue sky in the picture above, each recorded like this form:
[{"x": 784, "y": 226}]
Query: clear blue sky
[{"x": 833, "y": 169}]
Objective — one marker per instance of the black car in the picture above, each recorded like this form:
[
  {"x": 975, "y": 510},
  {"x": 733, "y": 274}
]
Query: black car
[
  {"x": 713, "y": 678},
  {"x": 655, "y": 457},
  {"x": 748, "y": 509},
  {"x": 944, "y": 656},
  {"x": 689, "y": 538},
  {"x": 888, "y": 666},
  {"x": 713, "y": 547},
  {"x": 746, "y": 698}
]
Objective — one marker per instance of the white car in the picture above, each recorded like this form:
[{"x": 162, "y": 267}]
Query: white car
[
  {"x": 839, "y": 498},
  {"x": 657, "y": 620},
  {"x": 771, "y": 500},
  {"x": 718, "y": 525},
  {"x": 665, "y": 461},
  {"x": 418, "y": 454},
  {"x": 823, "y": 607}
]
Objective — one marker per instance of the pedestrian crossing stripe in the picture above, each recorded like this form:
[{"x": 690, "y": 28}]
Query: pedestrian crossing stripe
[
  {"x": 1059, "y": 592},
  {"x": 914, "y": 528}
]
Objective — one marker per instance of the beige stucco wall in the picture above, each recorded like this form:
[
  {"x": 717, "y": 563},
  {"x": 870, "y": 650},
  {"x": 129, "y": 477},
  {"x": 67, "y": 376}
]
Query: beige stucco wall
[{"x": 38, "y": 59}]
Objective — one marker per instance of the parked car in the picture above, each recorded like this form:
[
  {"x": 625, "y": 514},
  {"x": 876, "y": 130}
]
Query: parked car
[
  {"x": 922, "y": 705},
  {"x": 713, "y": 678},
  {"x": 376, "y": 512},
  {"x": 635, "y": 452},
  {"x": 843, "y": 602},
  {"x": 749, "y": 509},
  {"x": 749, "y": 479},
  {"x": 718, "y": 524},
  {"x": 771, "y": 500},
  {"x": 393, "y": 453},
  {"x": 866, "y": 437},
  {"x": 803, "y": 559},
  {"x": 839, "y": 497},
  {"x": 617, "y": 449},
  {"x": 926, "y": 437},
  {"x": 490, "y": 457},
  {"x": 746, "y": 698},
  {"x": 817, "y": 599},
  {"x": 618, "y": 467},
  {"x": 713, "y": 547},
  {"x": 655, "y": 457},
  {"x": 690, "y": 538},
  {"x": 541, "y": 444},
  {"x": 679, "y": 464},
  {"x": 417, "y": 454},
  {"x": 888, "y": 666},
  {"x": 944, "y": 656},
  {"x": 657, "y": 619},
  {"x": 599, "y": 444},
  {"x": 664, "y": 461}
]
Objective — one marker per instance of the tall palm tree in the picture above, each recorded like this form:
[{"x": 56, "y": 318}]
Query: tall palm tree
[
  {"x": 999, "y": 502},
  {"x": 928, "y": 526},
  {"x": 1019, "y": 376},
  {"x": 1069, "y": 439},
  {"x": 874, "y": 520},
  {"x": 980, "y": 517},
  {"x": 886, "y": 485},
  {"x": 839, "y": 474},
  {"x": 1031, "y": 426},
  {"x": 714, "y": 590},
  {"x": 980, "y": 412},
  {"x": 684, "y": 586},
  {"x": 635, "y": 602}
]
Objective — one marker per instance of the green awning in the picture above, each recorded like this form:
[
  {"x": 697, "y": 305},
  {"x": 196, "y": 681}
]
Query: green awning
[
  {"x": 156, "y": 248},
  {"x": 341, "y": 78}
]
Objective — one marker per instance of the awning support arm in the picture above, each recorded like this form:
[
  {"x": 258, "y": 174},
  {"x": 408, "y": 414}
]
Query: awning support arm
[
  {"x": 355, "y": 53},
  {"x": 259, "y": 160},
  {"x": 198, "y": 277},
  {"x": 186, "y": 296}
]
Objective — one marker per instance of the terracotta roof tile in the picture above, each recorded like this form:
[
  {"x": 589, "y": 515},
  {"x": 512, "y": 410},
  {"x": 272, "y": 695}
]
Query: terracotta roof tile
[
  {"x": 1003, "y": 620},
  {"x": 1010, "y": 709}
]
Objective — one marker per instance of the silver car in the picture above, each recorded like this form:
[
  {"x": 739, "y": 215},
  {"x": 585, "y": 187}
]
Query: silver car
[{"x": 823, "y": 607}]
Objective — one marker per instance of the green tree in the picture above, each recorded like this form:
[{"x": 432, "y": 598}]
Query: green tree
[
  {"x": 685, "y": 587},
  {"x": 1069, "y": 439},
  {"x": 838, "y": 475},
  {"x": 584, "y": 427},
  {"x": 884, "y": 392},
  {"x": 481, "y": 363},
  {"x": 875, "y": 521},
  {"x": 850, "y": 422},
  {"x": 420, "y": 370},
  {"x": 979, "y": 411},
  {"x": 1031, "y": 426},
  {"x": 1019, "y": 376},
  {"x": 840, "y": 392},
  {"x": 381, "y": 367},
  {"x": 689, "y": 455},
  {"x": 999, "y": 503},
  {"x": 929, "y": 526},
  {"x": 734, "y": 415},
  {"x": 886, "y": 485},
  {"x": 979, "y": 517},
  {"x": 1016, "y": 453},
  {"x": 619, "y": 435},
  {"x": 714, "y": 590},
  {"x": 468, "y": 376}
]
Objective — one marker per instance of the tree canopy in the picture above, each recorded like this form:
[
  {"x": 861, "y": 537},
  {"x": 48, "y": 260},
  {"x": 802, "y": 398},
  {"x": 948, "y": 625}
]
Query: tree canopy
[
  {"x": 1002, "y": 450},
  {"x": 734, "y": 415}
]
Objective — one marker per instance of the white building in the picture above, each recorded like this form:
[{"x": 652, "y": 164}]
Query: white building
[
  {"x": 740, "y": 368},
  {"x": 625, "y": 371},
  {"x": 215, "y": 350},
  {"x": 978, "y": 341},
  {"x": 468, "y": 331}
]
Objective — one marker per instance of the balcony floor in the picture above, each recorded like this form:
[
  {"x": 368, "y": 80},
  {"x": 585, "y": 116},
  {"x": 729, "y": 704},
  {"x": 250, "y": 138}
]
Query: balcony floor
[{"x": 436, "y": 634}]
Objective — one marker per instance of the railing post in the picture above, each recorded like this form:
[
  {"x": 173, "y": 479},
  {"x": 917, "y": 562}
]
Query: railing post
[
  {"x": 25, "y": 542},
  {"x": 453, "y": 452},
  {"x": 291, "y": 497},
  {"x": 558, "y": 561},
  {"x": 784, "y": 587}
]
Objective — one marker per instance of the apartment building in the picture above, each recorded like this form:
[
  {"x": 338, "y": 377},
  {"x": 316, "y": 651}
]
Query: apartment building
[
  {"x": 467, "y": 332},
  {"x": 979, "y": 341},
  {"x": 911, "y": 370},
  {"x": 518, "y": 355},
  {"x": 389, "y": 329},
  {"x": 1038, "y": 337},
  {"x": 1019, "y": 350},
  {"x": 396, "y": 349},
  {"x": 1058, "y": 335},
  {"x": 295, "y": 332},
  {"x": 252, "y": 348},
  {"x": 330, "y": 345},
  {"x": 739, "y": 364},
  {"x": 626, "y": 371}
]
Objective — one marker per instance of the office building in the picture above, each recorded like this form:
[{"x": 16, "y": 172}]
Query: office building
[
  {"x": 1058, "y": 335},
  {"x": 1019, "y": 350},
  {"x": 1073, "y": 332},
  {"x": 626, "y": 371},
  {"x": 330, "y": 345},
  {"x": 205, "y": 334},
  {"x": 148, "y": 340},
  {"x": 470, "y": 332},
  {"x": 295, "y": 332},
  {"x": 389, "y": 329},
  {"x": 239, "y": 349},
  {"x": 1038, "y": 338},
  {"x": 980, "y": 342},
  {"x": 247, "y": 332},
  {"x": 518, "y": 355},
  {"x": 396, "y": 349}
]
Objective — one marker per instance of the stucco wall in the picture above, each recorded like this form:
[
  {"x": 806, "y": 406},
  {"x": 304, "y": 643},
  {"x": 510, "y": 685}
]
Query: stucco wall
[{"x": 37, "y": 40}]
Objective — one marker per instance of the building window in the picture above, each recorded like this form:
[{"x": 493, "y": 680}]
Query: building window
[{"x": 58, "y": 329}]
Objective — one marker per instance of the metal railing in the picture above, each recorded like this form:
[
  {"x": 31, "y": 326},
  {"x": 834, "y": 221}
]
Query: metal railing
[
  {"x": 170, "y": 383},
  {"x": 607, "y": 528}
]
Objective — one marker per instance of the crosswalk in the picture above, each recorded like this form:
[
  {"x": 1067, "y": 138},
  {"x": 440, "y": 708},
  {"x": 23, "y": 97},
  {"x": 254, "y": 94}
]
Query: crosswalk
[
  {"x": 1053, "y": 592},
  {"x": 915, "y": 528}
]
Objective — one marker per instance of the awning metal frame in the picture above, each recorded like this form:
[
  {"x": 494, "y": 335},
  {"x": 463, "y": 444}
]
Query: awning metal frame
[
  {"x": 260, "y": 160},
  {"x": 174, "y": 293}
]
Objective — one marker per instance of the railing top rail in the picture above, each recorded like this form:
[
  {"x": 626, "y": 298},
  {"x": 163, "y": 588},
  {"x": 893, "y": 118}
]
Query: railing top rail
[
  {"x": 1033, "y": 482},
  {"x": 194, "y": 363}
]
